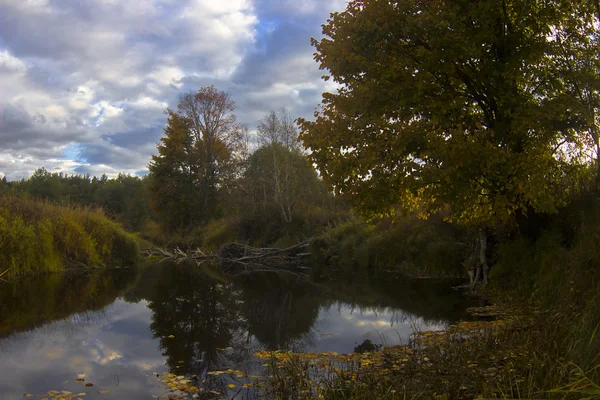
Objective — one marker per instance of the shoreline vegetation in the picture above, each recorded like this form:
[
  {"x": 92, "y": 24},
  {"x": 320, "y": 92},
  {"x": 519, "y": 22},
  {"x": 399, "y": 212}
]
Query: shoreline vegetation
[
  {"x": 38, "y": 237},
  {"x": 503, "y": 353}
]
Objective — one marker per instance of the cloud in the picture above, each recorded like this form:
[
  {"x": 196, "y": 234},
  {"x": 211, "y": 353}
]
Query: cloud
[
  {"x": 97, "y": 75},
  {"x": 10, "y": 64}
]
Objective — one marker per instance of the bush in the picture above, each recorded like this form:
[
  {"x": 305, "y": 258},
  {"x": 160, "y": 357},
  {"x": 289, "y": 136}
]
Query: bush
[
  {"x": 37, "y": 236},
  {"x": 559, "y": 269},
  {"x": 412, "y": 246}
]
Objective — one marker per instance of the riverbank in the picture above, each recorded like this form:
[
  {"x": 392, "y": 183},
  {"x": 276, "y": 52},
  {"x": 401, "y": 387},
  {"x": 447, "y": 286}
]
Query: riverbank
[
  {"x": 37, "y": 237},
  {"x": 509, "y": 354},
  {"x": 544, "y": 342}
]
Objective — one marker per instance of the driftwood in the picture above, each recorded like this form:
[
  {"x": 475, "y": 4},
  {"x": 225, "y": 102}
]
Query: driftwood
[{"x": 236, "y": 258}]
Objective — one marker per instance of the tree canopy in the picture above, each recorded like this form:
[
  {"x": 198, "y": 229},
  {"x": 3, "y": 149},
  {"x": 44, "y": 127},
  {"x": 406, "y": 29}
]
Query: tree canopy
[
  {"x": 448, "y": 103},
  {"x": 196, "y": 157}
]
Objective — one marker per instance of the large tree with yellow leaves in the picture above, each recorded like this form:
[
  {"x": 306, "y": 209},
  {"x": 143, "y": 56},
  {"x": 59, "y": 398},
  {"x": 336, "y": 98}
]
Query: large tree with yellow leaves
[{"x": 447, "y": 103}]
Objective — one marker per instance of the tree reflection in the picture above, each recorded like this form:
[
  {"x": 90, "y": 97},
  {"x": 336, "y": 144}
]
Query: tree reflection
[
  {"x": 207, "y": 324},
  {"x": 195, "y": 318},
  {"x": 31, "y": 303},
  {"x": 281, "y": 311}
]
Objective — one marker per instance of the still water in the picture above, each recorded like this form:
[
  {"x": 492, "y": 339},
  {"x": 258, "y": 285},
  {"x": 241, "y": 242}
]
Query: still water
[{"x": 117, "y": 329}]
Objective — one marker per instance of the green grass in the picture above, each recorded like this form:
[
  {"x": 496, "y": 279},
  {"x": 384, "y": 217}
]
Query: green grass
[{"x": 38, "y": 237}]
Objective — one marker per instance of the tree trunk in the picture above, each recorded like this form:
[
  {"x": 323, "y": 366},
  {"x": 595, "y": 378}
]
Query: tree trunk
[
  {"x": 479, "y": 274},
  {"x": 483, "y": 241}
]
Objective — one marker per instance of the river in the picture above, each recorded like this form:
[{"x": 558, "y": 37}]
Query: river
[{"x": 116, "y": 329}]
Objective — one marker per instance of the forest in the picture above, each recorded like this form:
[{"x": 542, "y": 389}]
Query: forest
[{"x": 462, "y": 141}]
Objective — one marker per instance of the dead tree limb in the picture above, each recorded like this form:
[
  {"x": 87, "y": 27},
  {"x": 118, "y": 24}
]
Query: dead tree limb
[{"x": 237, "y": 258}]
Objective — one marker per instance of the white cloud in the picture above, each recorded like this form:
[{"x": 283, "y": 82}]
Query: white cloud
[
  {"x": 81, "y": 98},
  {"x": 99, "y": 73},
  {"x": 165, "y": 75},
  {"x": 10, "y": 64}
]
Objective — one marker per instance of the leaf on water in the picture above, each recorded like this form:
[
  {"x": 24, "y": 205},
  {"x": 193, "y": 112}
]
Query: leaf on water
[
  {"x": 231, "y": 386},
  {"x": 27, "y": 395},
  {"x": 89, "y": 384},
  {"x": 104, "y": 391},
  {"x": 171, "y": 336}
]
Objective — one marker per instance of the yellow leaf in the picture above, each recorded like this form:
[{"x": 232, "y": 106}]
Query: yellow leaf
[{"x": 231, "y": 386}]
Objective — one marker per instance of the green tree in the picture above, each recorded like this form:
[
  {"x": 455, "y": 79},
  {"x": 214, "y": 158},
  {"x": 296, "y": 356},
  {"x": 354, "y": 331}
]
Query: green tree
[
  {"x": 198, "y": 156},
  {"x": 279, "y": 176},
  {"x": 174, "y": 178},
  {"x": 5, "y": 186},
  {"x": 217, "y": 139},
  {"x": 278, "y": 181},
  {"x": 576, "y": 58},
  {"x": 125, "y": 199},
  {"x": 445, "y": 104}
]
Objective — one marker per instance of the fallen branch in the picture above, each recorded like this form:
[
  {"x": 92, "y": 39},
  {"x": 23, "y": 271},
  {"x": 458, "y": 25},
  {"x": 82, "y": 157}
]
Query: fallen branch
[
  {"x": 2, "y": 274},
  {"x": 239, "y": 259}
]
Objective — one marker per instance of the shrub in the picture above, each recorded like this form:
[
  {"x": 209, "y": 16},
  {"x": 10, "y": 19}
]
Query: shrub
[
  {"x": 415, "y": 247},
  {"x": 559, "y": 269},
  {"x": 37, "y": 236}
]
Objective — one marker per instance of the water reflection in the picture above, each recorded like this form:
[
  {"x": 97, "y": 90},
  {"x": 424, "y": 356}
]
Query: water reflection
[
  {"x": 194, "y": 317},
  {"x": 119, "y": 327},
  {"x": 35, "y": 302},
  {"x": 280, "y": 311}
]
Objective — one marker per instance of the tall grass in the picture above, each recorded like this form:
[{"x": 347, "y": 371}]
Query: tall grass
[
  {"x": 559, "y": 269},
  {"x": 37, "y": 237},
  {"x": 518, "y": 356}
]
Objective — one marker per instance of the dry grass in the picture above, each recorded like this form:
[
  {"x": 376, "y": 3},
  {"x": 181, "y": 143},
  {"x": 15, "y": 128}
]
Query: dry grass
[
  {"x": 37, "y": 236},
  {"x": 516, "y": 356}
]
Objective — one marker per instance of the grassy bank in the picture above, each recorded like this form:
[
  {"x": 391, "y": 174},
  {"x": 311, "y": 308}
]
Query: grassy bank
[
  {"x": 37, "y": 237},
  {"x": 254, "y": 230},
  {"x": 509, "y": 357}
]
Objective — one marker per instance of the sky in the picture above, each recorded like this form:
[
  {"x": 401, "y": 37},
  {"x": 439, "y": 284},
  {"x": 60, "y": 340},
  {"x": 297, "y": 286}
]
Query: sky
[{"x": 84, "y": 83}]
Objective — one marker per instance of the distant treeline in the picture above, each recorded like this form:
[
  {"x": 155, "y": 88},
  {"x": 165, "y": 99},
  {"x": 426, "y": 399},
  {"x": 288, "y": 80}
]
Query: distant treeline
[
  {"x": 196, "y": 196},
  {"x": 124, "y": 198}
]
